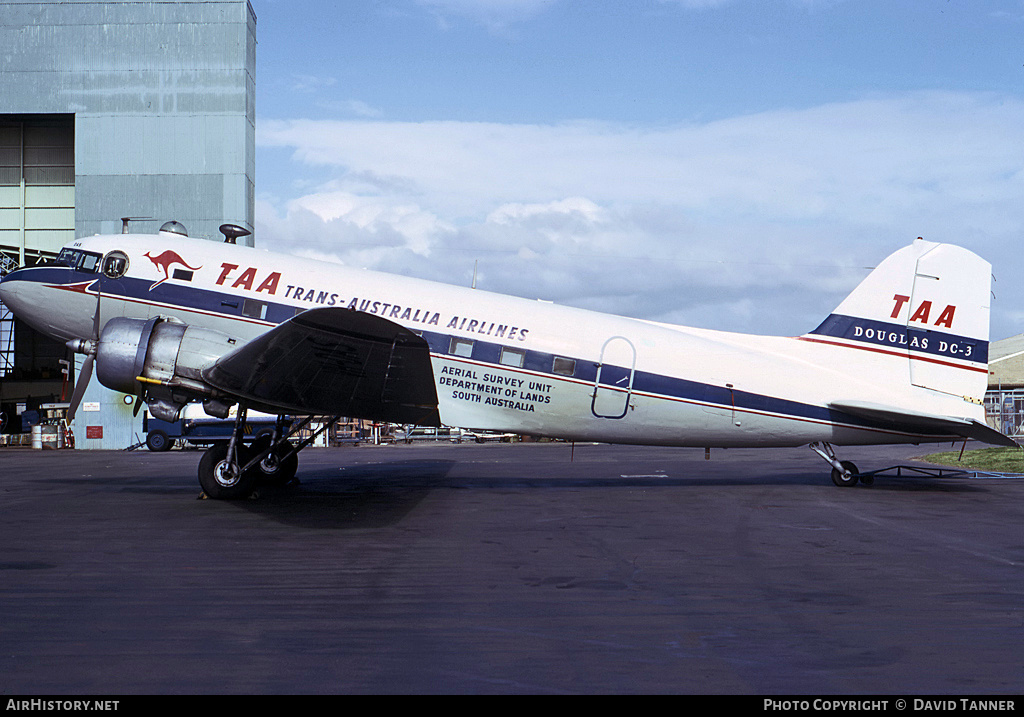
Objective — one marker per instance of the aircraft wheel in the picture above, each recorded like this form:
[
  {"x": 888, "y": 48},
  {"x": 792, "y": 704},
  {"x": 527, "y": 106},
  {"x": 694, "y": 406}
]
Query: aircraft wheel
[
  {"x": 841, "y": 479},
  {"x": 158, "y": 441},
  {"x": 274, "y": 470},
  {"x": 221, "y": 478}
]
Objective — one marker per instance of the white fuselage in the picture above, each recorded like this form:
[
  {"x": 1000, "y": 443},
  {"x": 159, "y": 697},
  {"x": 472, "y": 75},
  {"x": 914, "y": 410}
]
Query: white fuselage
[{"x": 510, "y": 364}]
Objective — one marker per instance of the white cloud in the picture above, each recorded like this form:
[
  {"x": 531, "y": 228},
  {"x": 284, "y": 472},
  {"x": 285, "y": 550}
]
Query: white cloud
[
  {"x": 311, "y": 84},
  {"x": 339, "y": 221},
  {"x": 356, "y": 108},
  {"x": 495, "y": 14},
  {"x": 880, "y": 152},
  {"x": 578, "y": 207},
  {"x": 757, "y": 223},
  {"x": 698, "y": 4}
]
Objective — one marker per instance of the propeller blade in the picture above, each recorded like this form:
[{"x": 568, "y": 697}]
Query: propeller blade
[
  {"x": 81, "y": 383},
  {"x": 140, "y": 397},
  {"x": 96, "y": 315},
  {"x": 87, "y": 347}
]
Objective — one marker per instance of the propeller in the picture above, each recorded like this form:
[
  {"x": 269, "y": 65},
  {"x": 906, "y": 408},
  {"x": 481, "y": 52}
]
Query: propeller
[{"x": 87, "y": 347}]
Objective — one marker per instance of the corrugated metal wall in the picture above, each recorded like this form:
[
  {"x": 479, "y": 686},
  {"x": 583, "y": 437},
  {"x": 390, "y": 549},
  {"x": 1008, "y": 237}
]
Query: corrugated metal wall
[
  {"x": 163, "y": 99},
  {"x": 158, "y": 105}
]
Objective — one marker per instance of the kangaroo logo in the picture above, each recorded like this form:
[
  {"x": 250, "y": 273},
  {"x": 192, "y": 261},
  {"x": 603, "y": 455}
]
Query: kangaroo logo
[{"x": 164, "y": 262}]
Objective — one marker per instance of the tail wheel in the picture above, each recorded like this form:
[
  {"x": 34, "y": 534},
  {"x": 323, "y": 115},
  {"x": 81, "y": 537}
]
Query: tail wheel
[{"x": 845, "y": 479}]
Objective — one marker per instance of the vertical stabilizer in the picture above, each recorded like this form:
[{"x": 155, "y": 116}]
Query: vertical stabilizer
[{"x": 928, "y": 305}]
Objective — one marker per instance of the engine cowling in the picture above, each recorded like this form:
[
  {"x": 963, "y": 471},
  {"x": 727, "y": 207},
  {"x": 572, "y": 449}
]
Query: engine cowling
[{"x": 163, "y": 354}]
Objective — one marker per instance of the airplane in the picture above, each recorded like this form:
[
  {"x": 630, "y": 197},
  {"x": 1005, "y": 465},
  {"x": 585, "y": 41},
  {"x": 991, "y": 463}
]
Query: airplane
[{"x": 175, "y": 320}]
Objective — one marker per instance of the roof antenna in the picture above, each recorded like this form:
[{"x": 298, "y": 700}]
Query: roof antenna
[
  {"x": 125, "y": 220},
  {"x": 231, "y": 233}
]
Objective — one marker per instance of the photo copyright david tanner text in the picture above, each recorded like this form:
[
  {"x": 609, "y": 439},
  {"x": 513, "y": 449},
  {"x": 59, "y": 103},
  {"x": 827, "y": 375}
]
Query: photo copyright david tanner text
[{"x": 917, "y": 704}]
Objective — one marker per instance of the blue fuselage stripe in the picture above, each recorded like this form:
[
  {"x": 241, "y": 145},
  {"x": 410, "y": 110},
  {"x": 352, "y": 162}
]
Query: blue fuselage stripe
[
  {"x": 901, "y": 337},
  {"x": 231, "y": 306}
]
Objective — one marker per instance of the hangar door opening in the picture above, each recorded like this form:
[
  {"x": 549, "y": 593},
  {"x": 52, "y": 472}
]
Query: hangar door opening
[
  {"x": 37, "y": 185},
  {"x": 37, "y": 214}
]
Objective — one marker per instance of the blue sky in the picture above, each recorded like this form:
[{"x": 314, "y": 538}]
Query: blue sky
[{"x": 731, "y": 164}]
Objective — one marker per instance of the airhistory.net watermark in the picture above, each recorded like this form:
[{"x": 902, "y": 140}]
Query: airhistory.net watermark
[{"x": 48, "y": 705}]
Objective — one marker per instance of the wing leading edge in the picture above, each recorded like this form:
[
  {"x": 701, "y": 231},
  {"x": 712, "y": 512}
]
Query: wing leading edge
[
  {"x": 332, "y": 361},
  {"x": 915, "y": 422}
]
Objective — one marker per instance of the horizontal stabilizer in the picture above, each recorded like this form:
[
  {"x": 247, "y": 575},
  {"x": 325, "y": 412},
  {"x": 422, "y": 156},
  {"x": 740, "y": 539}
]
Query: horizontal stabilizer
[
  {"x": 915, "y": 422},
  {"x": 333, "y": 361}
]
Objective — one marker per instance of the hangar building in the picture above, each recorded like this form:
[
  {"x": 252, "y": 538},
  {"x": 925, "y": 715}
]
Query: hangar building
[
  {"x": 111, "y": 110},
  {"x": 1004, "y": 401}
]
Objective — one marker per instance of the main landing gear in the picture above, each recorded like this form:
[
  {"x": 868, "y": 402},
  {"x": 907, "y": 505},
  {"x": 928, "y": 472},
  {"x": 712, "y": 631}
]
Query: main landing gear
[
  {"x": 233, "y": 471},
  {"x": 844, "y": 473}
]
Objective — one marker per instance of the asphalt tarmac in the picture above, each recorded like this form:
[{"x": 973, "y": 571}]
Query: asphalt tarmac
[{"x": 527, "y": 568}]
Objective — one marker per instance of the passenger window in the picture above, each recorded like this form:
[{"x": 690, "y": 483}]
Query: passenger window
[
  {"x": 564, "y": 366},
  {"x": 115, "y": 264},
  {"x": 512, "y": 357},
  {"x": 461, "y": 347},
  {"x": 254, "y": 309}
]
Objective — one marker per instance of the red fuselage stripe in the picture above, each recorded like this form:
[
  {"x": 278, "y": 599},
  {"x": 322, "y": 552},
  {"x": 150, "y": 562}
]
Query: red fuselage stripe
[{"x": 908, "y": 356}]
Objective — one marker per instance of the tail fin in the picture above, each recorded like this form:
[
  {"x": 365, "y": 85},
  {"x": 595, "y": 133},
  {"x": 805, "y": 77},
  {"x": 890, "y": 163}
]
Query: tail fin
[{"x": 928, "y": 304}]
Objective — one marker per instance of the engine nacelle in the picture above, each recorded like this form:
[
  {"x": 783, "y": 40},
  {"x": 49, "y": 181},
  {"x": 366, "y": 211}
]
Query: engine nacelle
[{"x": 165, "y": 354}]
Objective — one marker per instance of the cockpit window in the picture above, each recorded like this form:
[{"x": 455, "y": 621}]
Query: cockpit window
[
  {"x": 66, "y": 257},
  {"x": 79, "y": 260},
  {"x": 115, "y": 264},
  {"x": 89, "y": 262}
]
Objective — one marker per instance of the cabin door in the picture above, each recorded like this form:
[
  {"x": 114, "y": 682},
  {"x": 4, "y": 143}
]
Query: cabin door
[{"x": 613, "y": 385}]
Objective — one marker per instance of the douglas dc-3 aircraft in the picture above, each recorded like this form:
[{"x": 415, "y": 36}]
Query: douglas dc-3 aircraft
[{"x": 173, "y": 320}]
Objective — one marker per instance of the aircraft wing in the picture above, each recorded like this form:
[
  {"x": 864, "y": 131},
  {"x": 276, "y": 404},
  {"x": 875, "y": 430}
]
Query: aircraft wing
[
  {"x": 333, "y": 361},
  {"x": 913, "y": 421}
]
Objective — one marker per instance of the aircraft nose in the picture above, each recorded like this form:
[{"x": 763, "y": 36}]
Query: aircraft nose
[
  {"x": 43, "y": 298},
  {"x": 22, "y": 293},
  {"x": 8, "y": 291}
]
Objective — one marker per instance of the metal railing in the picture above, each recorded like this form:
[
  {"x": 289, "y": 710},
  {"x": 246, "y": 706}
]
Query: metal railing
[
  {"x": 1004, "y": 409},
  {"x": 7, "y": 265}
]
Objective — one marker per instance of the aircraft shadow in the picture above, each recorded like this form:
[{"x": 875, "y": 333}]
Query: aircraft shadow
[
  {"x": 380, "y": 494},
  {"x": 351, "y": 497}
]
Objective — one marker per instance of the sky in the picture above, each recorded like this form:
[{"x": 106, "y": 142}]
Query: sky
[{"x": 728, "y": 164}]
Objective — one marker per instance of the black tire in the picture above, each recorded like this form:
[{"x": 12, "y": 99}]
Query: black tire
[
  {"x": 222, "y": 480},
  {"x": 272, "y": 470},
  {"x": 842, "y": 480},
  {"x": 158, "y": 441}
]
